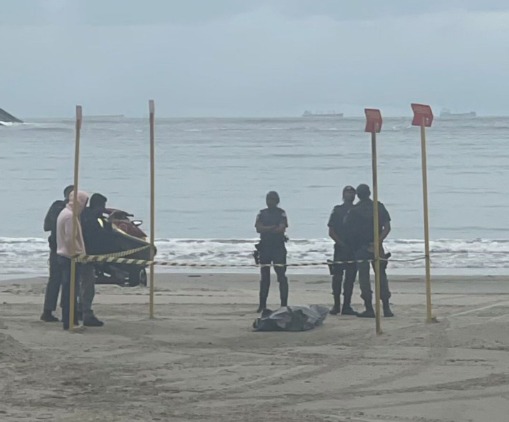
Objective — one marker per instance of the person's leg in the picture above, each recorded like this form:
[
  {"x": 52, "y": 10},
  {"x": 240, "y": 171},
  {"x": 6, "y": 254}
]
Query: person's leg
[
  {"x": 350, "y": 275},
  {"x": 87, "y": 289},
  {"x": 385, "y": 293},
  {"x": 87, "y": 277},
  {"x": 265, "y": 260},
  {"x": 65, "y": 266},
  {"x": 337, "y": 280},
  {"x": 279, "y": 259},
  {"x": 52, "y": 289},
  {"x": 362, "y": 257}
]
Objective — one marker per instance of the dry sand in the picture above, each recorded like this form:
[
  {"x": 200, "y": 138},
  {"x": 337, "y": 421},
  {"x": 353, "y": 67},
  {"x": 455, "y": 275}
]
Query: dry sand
[{"x": 199, "y": 359}]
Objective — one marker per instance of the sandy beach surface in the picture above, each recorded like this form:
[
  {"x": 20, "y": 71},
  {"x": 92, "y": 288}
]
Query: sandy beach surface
[{"x": 199, "y": 360}]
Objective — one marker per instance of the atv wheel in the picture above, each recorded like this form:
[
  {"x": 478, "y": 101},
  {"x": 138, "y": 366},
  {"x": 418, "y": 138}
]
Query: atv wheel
[
  {"x": 143, "y": 277},
  {"x": 137, "y": 277}
]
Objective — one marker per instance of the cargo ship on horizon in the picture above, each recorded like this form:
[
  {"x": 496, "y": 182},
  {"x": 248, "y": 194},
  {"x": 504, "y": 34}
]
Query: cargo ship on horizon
[
  {"x": 446, "y": 114},
  {"x": 308, "y": 113}
]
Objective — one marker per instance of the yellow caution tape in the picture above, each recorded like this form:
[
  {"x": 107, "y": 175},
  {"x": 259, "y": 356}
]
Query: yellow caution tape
[
  {"x": 142, "y": 262},
  {"x": 114, "y": 255}
]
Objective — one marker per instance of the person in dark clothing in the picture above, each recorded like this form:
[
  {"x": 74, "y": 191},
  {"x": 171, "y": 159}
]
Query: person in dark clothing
[
  {"x": 343, "y": 251},
  {"x": 271, "y": 223},
  {"x": 55, "y": 272},
  {"x": 95, "y": 228},
  {"x": 360, "y": 225}
]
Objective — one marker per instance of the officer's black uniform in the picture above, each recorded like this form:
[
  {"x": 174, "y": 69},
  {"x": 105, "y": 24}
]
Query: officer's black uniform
[
  {"x": 342, "y": 252},
  {"x": 360, "y": 226},
  {"x": 272, "y": 251}
]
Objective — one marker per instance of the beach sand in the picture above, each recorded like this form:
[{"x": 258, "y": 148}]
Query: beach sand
[{"x": 199, "y": 360}]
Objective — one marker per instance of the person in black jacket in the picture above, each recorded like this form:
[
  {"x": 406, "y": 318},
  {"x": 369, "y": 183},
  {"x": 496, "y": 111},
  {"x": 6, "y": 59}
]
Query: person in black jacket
[
  {"x": 271, "y": 223},
  {"x": 55, "y": 272},
  {"x": 344, "y": 252},
  {"x": 95, "y": 229},
  {"x": 360, "y": 225}
]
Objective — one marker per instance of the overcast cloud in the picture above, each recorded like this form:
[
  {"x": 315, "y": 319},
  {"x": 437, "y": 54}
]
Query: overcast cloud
[{"x": 252, "y": 58}]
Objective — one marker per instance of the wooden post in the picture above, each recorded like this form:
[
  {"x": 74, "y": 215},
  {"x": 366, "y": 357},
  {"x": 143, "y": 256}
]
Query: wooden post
[
  {"x": 423, "y": 117},
  {"x": 429, "y": 315},
  {"x": 72, "y": 294},
  {"x": 151, "y": 107},
  {"x": 374, "y": 125},
  {"x": 376, "y": 232}
]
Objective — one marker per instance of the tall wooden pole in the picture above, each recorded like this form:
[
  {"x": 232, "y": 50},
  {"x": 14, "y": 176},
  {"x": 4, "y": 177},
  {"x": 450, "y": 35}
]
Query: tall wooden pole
[
  {"x": 72, "y": 289},
  {"x": 376, "y": 232},
  {"x": 423, "y": 117},
  {"x": 152, "y": 200},
  {"x": 429, "y": 313}
]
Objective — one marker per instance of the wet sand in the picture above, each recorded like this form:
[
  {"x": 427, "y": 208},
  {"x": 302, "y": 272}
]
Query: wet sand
[{"x": 200, "y": 360}]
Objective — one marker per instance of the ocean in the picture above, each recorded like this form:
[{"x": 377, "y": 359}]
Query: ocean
[{"x": 212, "y": 176}]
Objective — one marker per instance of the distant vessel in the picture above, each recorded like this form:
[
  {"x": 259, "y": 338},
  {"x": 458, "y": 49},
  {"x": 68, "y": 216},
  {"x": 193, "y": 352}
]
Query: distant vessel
[
  {"x": 308, "y": 113},
  {"x": 8, "y": 118},
  {"x": 445, "y": 113}
]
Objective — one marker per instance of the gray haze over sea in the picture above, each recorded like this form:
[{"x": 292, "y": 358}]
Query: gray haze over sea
[{"x": 212, "y": 176}]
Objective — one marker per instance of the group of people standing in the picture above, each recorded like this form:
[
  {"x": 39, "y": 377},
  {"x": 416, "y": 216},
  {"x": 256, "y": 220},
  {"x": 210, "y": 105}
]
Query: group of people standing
[
  {"x": 65, "y": 244},
  {"x": 351, "y": 227}
]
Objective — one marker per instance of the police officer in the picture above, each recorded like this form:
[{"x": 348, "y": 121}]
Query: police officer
[
  {"x": 343, "y": 251},
  {"x": 271, "y": 223},
  {"x": 361, "y": 229}
]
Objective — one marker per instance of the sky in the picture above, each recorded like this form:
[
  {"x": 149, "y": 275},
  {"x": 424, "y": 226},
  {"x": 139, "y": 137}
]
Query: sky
[{"x": 259, "y": 58}]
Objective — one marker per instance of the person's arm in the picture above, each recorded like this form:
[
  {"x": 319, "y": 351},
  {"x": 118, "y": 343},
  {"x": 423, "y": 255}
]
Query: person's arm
[
  {"x": 386, "y": 229},
  {"x": 66, "y": 234},
  {"x": 51, "y": 217},
  {"x": 333, "y": 235},
  {"x": 281, "y": 227},
  {"x": 261, "y": 228},
  {"x": 386, "y": 223}
]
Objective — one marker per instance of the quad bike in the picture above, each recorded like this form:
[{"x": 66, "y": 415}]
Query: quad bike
[{"x": 125, "y": 235}]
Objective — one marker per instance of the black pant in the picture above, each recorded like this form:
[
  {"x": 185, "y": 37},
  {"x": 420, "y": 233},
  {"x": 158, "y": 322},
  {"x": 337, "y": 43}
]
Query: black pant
[
  {"x": 54, "y": 282},
  {"x": 346, "y": 270},
  {"x": 65, "y": 265},
  {"x": 273, "y": 255},
  {"x": 365, "y": 254}
]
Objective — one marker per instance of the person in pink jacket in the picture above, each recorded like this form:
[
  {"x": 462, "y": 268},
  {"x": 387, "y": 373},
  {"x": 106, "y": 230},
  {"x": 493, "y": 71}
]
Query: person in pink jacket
[{"x": 69, "y": 246}]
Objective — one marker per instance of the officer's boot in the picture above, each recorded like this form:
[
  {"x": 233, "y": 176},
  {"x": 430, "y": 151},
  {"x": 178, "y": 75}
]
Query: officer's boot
[
  {"x": 369, "y": 312},
  {"x": 283, "y": 291},
  {"x": 347, "y": 308},
  {"x": 387, "y": 309},
  {"x": 264, "y": 293},
  {"x": 347, "y": 295},
  {"x": 47, "y": 316},
  {"x": 337, "y": 279},
  {"x": 337, "y": 304}
]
